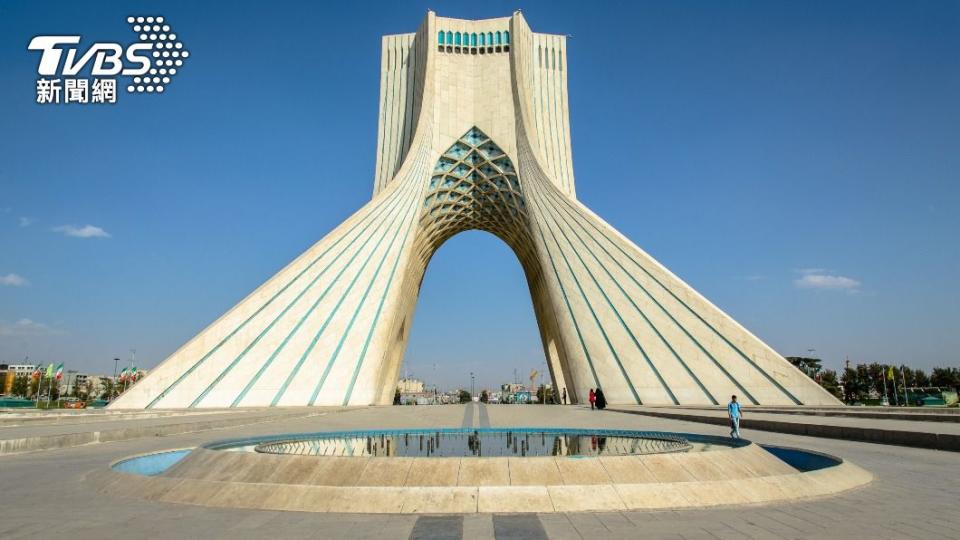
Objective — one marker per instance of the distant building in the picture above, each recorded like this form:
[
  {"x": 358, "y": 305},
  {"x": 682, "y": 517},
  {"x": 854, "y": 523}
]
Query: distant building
[
  {"x": 9, "y": 373},
  {"x": 414, "y": 392},
  {"x": 97, "y": 385},
  {"x": 410, "y": 386},
  {"x": 79, "y": 381},
  {"x": 93, "y": 385}
]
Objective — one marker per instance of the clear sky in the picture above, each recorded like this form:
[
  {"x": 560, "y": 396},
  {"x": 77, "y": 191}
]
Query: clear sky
[{"x": 796, "y": 162}]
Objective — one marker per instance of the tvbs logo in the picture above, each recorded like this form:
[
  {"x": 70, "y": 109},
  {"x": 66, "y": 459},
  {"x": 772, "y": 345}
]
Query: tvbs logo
[{"x": 150, "y": 63}]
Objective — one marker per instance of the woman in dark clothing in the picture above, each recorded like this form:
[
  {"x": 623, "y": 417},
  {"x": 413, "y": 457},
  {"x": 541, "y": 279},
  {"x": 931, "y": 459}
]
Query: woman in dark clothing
[{"x": 601, "y": 399}]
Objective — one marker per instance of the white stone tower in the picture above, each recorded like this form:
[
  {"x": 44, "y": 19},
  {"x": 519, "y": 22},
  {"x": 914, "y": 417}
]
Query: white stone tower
[{"x": 474, "y": 134}]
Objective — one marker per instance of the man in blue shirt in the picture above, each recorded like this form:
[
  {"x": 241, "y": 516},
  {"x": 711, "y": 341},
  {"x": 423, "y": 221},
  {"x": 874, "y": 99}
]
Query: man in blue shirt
[{"x": 733, "y": 411}]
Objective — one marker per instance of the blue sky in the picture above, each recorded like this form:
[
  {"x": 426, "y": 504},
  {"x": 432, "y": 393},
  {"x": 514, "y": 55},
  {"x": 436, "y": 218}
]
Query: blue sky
[{"x": 796, "y": 162}]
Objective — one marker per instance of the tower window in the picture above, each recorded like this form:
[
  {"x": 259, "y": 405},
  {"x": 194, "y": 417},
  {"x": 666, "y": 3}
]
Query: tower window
[{"x": 440, "y": 37}]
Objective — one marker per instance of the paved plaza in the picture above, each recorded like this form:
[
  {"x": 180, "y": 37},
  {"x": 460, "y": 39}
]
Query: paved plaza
[{"x": 53, "y": 492}]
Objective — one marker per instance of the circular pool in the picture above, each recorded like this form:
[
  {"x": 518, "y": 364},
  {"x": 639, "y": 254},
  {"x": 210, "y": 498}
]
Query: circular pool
[
  {"x": 452, "y": 470},
  {"x": 480, "y": 443}
]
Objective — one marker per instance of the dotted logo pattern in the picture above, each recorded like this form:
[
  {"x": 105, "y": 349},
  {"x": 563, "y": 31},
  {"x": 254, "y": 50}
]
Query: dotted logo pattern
[{"x": 167, "y": 57}]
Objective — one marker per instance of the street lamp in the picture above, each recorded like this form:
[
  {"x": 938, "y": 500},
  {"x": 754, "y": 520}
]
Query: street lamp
[{"x": 472, "y": 387}]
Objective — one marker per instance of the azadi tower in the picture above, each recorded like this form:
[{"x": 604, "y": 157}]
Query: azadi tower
[{"x": 474, "y": 133}]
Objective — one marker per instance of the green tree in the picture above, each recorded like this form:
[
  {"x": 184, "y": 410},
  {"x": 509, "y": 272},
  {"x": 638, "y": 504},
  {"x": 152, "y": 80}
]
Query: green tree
[
  {"x": 465, "y": 396},
  {"x": 106, "y": 388},
  {"x": 907, "y": 375},
  {"x": 810, "y": 366},
  {"x": 945, "y": 377},
  {"x": 851, "y": 388},
  {"x": 544, "y": 394},
  {"x": 36, "y": 384},
  {"x": 52, "y": 387},
  {"x": 21, "y": 385},
  {"x": 82, "y": 391},
  {"x": 828, "y": 380},
  {"x": 875, "y": 376},
  {"x": 484, "y": 397},
  {"x": 858, "y": 383}
]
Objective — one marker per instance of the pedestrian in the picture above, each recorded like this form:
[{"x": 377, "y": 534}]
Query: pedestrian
[
  {"x": 564, "y": 395},
  {"x": 601, "y": 399},
  {"x": 593, "y": 398},
  {"x": 734, "y": 413}
]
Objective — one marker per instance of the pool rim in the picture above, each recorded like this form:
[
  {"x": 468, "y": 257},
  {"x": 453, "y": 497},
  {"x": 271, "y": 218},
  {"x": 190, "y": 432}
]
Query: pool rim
[
  {"x": 228, "y": 444},
  {"x": 113, "y": 464}
]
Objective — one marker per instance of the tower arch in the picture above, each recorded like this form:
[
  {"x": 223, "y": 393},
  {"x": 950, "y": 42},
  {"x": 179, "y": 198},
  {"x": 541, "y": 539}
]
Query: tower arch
[{"x": 331, "y": 327}]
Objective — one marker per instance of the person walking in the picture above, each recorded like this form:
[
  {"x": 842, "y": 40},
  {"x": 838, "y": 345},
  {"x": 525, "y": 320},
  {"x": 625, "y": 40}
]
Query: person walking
[
  {"x": 601, "y": 399},
  {"x": 734, "y": 413},
  {"x": 593, "y": 398},
  {"x": 564, "y": 396}
]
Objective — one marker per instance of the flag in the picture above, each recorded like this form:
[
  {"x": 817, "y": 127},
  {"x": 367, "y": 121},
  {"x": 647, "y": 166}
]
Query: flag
[
  {"x": 36, "y": 373},
  {"x": 134, "y": 374},
  {"x": 50, "y": 371},
  {"x": 59, "y": 374},
  {"x": 890, "y": 373},
  {"x": 123, "y": 375}
]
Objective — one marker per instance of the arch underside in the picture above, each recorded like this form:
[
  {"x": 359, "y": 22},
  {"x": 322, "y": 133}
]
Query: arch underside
[{"x": 475, "y": 186}]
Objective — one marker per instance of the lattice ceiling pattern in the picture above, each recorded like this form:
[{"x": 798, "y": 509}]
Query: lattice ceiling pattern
[{"x": 474, "y": 186}]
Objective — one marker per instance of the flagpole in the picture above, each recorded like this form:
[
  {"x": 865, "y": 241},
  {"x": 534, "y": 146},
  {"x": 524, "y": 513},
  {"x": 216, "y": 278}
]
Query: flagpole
[
  {"x": 133, "y": 358},
  {"x": 893, "y": 385},
  {"x": 883, "y": 375},
  {"x": 903, "y": 376}
]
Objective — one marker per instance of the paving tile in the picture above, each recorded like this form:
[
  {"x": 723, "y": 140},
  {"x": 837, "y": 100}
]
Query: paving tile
[
  {"x": 433, "y": 472},
  {"x": 514, "y": 499},
  {"x": 477, "y": 526},
  {"x": 535, "y": 471},
  {"x": 518, "y": 527},
  {"x": 437, "y": 528}
]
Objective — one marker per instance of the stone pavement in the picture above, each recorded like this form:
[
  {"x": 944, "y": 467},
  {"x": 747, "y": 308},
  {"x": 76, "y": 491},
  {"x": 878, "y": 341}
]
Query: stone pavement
[
  {"x": 925, "y": 414},
  {"x": 48, "y": 494},
  {"x": 80, "y": 424},
  {"x": 918, "y": 431},
  {"x": 32, "y": 434}
]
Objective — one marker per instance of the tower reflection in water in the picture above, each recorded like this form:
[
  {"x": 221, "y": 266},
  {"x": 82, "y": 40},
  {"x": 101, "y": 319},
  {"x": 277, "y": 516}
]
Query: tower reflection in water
[{"x": 478, "y": 443}]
